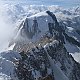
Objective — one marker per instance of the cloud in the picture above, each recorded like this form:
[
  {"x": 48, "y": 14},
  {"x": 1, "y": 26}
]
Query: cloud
[{"x": 6, "y": 28}]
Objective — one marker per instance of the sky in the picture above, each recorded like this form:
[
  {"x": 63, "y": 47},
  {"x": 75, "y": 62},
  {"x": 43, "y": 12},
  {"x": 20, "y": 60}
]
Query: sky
[{"x": 63, "y": 3}]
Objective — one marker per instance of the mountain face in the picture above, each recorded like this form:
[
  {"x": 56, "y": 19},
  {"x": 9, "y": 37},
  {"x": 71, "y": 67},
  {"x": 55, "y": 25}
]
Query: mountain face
[
  {"x": 35, "y": 27},
  {"x": 14, "y": 14},
  {"x": 48, "y": 62},
  {"x": 41, "y": 45}
]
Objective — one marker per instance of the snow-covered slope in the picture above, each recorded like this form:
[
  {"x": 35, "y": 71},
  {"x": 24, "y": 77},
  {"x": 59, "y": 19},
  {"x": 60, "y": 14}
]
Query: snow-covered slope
[{"x": 8, "y": 65}]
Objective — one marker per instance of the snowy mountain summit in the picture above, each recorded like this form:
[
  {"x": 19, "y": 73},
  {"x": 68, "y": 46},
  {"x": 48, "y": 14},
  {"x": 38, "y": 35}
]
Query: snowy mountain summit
[
  {"x": 44, "y": 24},
  {"x": 41, "y": 41},
  {"x": 40, "y": 51},
  {"x": 38, "y": 25},
  {"x": 35, "y": 26}
]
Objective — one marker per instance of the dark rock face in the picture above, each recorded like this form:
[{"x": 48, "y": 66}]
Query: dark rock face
[
  {"x": 78, "y": 31},
  {"x": 29, "y": 33},
  {"x": 34, "y": 62},
  {"x": 61, "y": 32},
  {"x": 56, "y": 28},
  {"x": 37, "y": 62}
]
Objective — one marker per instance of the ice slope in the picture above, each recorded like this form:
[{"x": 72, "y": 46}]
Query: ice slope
[
  {"x": 8, "y": 65},
  {"x": 4, "y": 77}
]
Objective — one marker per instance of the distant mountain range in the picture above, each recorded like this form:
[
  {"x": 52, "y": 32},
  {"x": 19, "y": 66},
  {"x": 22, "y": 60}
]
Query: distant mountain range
[{"x": 67, "y": 4}]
